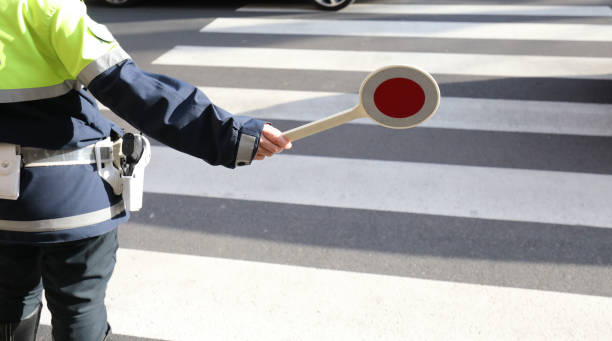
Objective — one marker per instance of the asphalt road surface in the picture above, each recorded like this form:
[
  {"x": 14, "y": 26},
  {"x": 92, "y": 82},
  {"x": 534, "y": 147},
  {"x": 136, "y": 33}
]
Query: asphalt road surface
[{"x": 492, "y": 221}]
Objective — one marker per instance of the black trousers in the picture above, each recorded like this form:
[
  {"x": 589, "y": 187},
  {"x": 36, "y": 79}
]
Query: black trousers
[{"x": 74, "y": 276}]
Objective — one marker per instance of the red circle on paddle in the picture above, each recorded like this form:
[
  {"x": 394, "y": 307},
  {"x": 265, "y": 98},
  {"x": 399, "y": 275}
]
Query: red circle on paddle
[{"x": 399, "y": 97}]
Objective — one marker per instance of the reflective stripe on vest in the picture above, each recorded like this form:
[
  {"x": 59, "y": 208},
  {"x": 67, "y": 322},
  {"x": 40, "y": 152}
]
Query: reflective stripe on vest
[
  {"x": 65, "y": 223},
  {"x": 32, "y": 94},
  {"x": 90, "y": 72},
  {"x": 103, "y": 63}
]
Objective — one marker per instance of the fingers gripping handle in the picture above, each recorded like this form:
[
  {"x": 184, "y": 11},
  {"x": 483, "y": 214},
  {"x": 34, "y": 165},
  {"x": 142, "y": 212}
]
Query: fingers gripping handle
[{"x": 324, "y": 123}]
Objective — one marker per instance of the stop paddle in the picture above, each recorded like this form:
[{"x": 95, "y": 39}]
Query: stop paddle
[{"x": 396, "y": 97}]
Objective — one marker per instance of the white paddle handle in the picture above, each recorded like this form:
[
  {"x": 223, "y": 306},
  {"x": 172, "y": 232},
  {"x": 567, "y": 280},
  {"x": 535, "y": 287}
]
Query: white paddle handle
[{"x": 325, "y": 123}]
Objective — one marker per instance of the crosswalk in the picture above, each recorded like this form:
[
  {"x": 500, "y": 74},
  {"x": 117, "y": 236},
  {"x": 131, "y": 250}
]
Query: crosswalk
[{"x": 490, "y": 221}]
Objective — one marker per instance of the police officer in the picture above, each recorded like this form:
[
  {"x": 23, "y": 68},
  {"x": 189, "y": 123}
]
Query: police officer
[{"x": 59, "y": 233}]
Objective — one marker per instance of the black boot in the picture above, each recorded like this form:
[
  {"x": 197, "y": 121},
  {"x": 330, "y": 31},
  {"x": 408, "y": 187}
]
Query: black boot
[{"x": 24, "y": 330}]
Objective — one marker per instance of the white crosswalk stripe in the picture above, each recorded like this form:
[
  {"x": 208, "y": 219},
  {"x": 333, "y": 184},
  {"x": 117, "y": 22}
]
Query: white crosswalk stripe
[
  {"x": 456, "y": 9},
  {"x": 201, "y": 297},
  {"x": 461, "y": 191},
  {"x": 378, "y": 28},
  {"x": 366, "y": 61}
]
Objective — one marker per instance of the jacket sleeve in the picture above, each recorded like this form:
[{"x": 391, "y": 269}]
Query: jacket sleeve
[
  {"x": 177, "y": 114},
  {"x": 171, "y": 111}
]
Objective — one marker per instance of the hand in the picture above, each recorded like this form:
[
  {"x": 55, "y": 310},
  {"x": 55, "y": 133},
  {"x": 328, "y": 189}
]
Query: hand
[{"x": 271, "y": 142}]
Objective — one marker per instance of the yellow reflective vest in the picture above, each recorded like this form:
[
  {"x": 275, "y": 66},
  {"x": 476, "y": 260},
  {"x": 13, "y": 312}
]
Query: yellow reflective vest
[{"x": 48, "y": 47}]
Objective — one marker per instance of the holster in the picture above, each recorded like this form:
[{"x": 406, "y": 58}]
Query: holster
[{"x": 10, "y": 167}]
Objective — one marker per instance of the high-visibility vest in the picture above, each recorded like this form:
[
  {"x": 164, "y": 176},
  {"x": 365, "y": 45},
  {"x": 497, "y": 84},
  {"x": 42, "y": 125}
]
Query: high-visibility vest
[{"x": 48, "y": 47}]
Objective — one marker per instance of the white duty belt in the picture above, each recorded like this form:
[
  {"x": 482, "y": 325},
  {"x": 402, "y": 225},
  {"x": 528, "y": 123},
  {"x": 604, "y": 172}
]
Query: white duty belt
[
  {"x": 38, "y": 157},
  {"x": 125, "y": 173}
]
